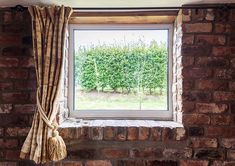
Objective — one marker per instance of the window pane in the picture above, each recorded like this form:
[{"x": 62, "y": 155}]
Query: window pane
[{"x": 121, "y": 69}]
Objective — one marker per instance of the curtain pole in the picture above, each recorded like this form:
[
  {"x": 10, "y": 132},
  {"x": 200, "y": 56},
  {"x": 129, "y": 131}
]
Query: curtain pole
[{"x": 21, "y": 8}]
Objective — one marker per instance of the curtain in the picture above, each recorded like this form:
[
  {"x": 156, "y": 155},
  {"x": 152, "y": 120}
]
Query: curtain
[{"x": 49, "y": 26}]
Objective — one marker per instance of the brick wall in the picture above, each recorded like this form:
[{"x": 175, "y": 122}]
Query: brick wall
[{"x": 204, "y": 86}]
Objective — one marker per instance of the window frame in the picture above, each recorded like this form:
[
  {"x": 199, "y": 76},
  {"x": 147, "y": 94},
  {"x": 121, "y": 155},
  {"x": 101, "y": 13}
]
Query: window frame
[{"x": 120, "y": 114}]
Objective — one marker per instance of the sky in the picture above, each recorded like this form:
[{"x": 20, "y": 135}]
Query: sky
[{"x": 87, "y": 38}]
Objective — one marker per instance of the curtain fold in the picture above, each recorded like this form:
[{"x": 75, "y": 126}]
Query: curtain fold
[{"x": 49, "y": 25}]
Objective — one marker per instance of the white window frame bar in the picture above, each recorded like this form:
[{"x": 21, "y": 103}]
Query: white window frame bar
[{"x": 119, "y": 114}]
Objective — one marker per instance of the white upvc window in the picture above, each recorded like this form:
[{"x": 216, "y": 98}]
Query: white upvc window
[{"x": 120, "y": 71}]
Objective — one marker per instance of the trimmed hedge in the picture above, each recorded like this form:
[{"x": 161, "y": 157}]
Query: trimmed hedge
[{"x": 122, "y": 67}]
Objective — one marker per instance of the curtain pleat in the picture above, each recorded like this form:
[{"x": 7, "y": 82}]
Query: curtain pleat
[{"x": 49, "y": 26}]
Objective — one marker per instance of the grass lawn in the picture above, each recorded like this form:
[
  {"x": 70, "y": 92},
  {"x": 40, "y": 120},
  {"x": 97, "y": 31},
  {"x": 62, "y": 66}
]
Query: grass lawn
[{"x": 118, "y": 101}]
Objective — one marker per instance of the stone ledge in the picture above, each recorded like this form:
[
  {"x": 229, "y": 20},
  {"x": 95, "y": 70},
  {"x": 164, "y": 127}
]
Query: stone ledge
[{"x": 76, "y": 123}]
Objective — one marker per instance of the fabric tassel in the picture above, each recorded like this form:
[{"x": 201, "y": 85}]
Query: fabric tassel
[{"x": 56, "y": 147}]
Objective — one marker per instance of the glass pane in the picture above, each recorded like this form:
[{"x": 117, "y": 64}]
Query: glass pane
[{"x": 121, "y": 69}]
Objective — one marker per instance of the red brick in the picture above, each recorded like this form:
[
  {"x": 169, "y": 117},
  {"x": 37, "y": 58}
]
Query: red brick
[
  {"x": 121, "y": 134},
  {"x": 15, "y": 97},
  {"x": 215, "y": 131},
  {"x": 143, "y": 133},
  {"x": 132, "y": 133},
  {"x": 109, "y": 133},
  {"x": 177, "y": 153},
  {"x": 8, "y": 143},
  {"x": 17, "y": 131},
  {"x": 155, "y": 134},
  {"x": 228, "y": 143},
  {"x": 10, "y": 39},
  {"x": 195, "y": 119},
  {"x": 10, "y": 163},
  {"x": 12, "y": 155},
  {"x": 14, "y": 74},
  {"x": 211, "y": 84},
  {"x": 188, "y": 39},
  {"x": 196, "y": 73},
  {"x": 180, "y": 134},
  {"x": 211, "y": 62},
  {"x": 6, "y": 85},
  {"x": 211, "y": 39},
  {"x": 188, "y": 106},
  {"x": 204, "y": 143},
  {"x": 197, "y": 27},
  {"x": 211, "y": 108},
  {"x": 146, "y": 153},
  {"x": 194, "y": 163},
  {"x": 224, "y": 96},
  {"x": 224, "y": 73},
  {"x": 168, "y": 134},
  {"x": 25, "y": 108},
  {"x": 196, "y": 50},
  {"x": 8, "y": 62},
  {"x": 221, "y": 51},
  {"x": 231, "y": 154},
  {"x": 25, "y": 85},
  {"x": 222, "y": 28},
  {"x": 200, "y": 96},
  {"x": 187, "y": 61},
  {"x": 96, "y": 133},
  {"x": 198, "y": 14},
  {"x": 27, "y": 62},
  {"x": 216, "y": 163},
  {"x": 98, "y": 163},
  {"x": 220, "y": 119},
  {"x": 5, "y": 108},
  {"x": 70, "y": 163},
  {"x": 114, "y": 153},
  {"x": 229, "y": 163}
]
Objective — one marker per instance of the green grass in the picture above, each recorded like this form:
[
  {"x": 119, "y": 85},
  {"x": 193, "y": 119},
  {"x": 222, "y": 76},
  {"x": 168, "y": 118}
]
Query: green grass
[{"x": 118, "y": 101}]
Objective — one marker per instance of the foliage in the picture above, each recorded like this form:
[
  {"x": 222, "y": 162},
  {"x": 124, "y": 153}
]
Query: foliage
[{"x": 131, "y": 67}]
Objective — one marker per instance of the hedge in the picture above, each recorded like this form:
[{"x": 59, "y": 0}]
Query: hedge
[{"x": 122, "y": 67}]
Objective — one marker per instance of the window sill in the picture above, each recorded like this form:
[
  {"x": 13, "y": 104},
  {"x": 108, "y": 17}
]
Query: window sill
[{"x": 121, "y": 130}]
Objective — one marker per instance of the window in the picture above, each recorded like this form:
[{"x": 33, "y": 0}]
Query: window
[{"x": 120, "y": 71}]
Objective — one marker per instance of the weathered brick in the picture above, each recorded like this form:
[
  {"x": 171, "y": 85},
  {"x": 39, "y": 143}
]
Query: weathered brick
[
  {"x": 211, "y": 84},
  {"x": 70, "y": 163},
  {"x": 143, "y": 133},
  {"x": 187, "y": 61},
  {"x": 14, "y": 74},
  {"x": 194, "y": 163},
  {"x": 219, "y": 131},
  {"x": 197, "y": 73},
  {"x": 109, "y": 133},
  {"x": 211, "y": 62},
  {"x": 15, "y": 97},
  {"x": 27, "y": 62},
  {"x": 208, "y": 154},
  {"x": 228, "y": 143},
  {"x": 222, "y": 28},
  {"x": 98, "y": 163},
  {"x": 224, "y": 74},
  {"x": 196, "y": 50},
  {"x": 12, "y": 155},
  {"x": 6, "y": 85},
  {"x": 196, "y": 119},
  {"x": 156, "y": 133},
  {"x": 177, "y": 153},
  {"x": 204, "y": 142},
  {"x": 211, "y": 39},
  {"x": 5, "y": 108},
  {"x": 10, "y": 39},
  {"x": 146, "y": 153},
  {"x": 180, "y": 134},
  {"x": 17, "y": 131},
  {"x": 188, "y": 39},
  {"x": 197, "y": 27},
  {"x": 196, "y": 131},
  {"x": 25, "y": 85},
  {"x": 220, "y": 119},
  {"x": 25, "y": 108},
  {"x": 229, "y": 163},
  {"x": 168, "y": 134},
  {"x": 231, "y": 154},
  {"x": 132, "y": 133},
  {"x": 8, "y": 143},
  {"x": 224, "y": 96},
  {"x": 96, "y": 133},
  {"x": 115, "y": 153},
  {"x": 211, "y": 108},
  {"x": 221, "y": 51},
  {"x": 9, "y": 163},
  {"x": 8, "y": 62},
  {"x": 200, "y": 96},
  {"x": 121, "y": 134}
]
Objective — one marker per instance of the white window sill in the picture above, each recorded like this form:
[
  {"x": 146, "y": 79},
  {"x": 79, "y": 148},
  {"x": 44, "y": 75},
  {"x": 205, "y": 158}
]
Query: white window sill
[{"x": 77, "y": 123}]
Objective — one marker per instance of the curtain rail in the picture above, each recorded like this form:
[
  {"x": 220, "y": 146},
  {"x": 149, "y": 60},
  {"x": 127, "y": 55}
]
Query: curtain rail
[{"x": 201, "y": 6}]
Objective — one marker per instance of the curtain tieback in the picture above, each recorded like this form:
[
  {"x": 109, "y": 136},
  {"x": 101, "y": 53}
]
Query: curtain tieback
[{"x": 56, "y": 146}]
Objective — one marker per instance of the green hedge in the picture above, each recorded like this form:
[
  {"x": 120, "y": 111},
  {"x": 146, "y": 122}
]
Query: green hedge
[{"x": 117, "y": 67}]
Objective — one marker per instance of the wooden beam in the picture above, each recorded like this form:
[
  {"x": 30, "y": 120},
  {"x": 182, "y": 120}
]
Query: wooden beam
[{"x": 122, "y": 19}]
